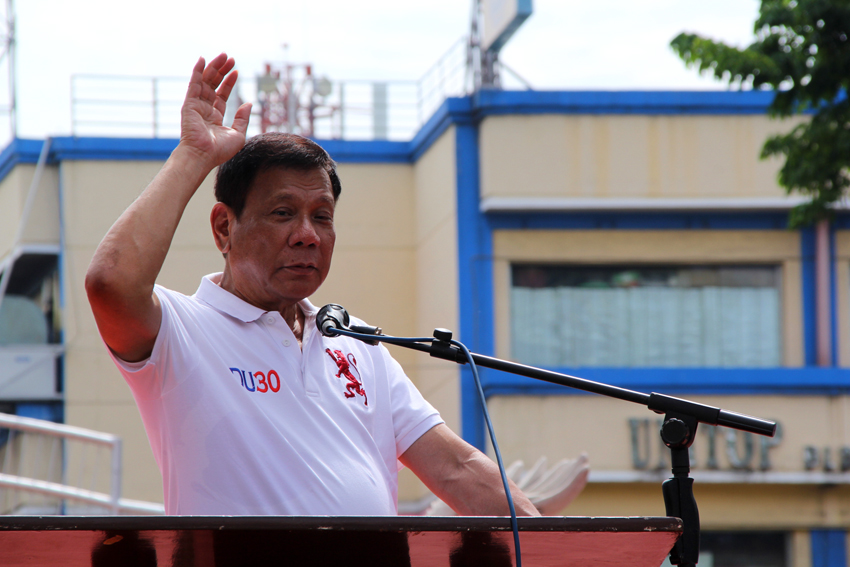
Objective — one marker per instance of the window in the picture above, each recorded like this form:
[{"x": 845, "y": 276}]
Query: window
[
  {"x": 645, "y": 316},
  {"x": 31, "y": 359},
  {"x": 29, "y": 311}
]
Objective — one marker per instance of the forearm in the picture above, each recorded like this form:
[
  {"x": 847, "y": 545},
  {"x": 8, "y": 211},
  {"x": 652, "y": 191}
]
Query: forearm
[
  {"x": 462, "y": 476},
  {"x": 476, "y": 489}
]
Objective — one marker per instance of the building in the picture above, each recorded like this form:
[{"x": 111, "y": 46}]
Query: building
[{"x": 632, "y": 238}]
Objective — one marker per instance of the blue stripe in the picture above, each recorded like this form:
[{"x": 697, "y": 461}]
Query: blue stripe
[
  {"x": 135, "y": 149},
  {"x": 476, "y": 311},
  {"x": 19, "y": 151},
  {"x": 452, "y": 111},
  {"x": 639, "y": 221},
  {"x": 494, "y": 102},
  {"x": 829, "y": 548},
  {"x": 693, "y": 381},
  {"x": 807, "y": 257},
  {"x": 361, "y": 151}
]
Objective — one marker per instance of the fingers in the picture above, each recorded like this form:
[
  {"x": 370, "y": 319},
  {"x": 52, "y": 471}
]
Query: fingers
[
  {"x": 213, "y": 82},
  {"x": 224, "y": 91},
  {"x": 240, "y": 119},
  {"x": 217, "y": 70}
]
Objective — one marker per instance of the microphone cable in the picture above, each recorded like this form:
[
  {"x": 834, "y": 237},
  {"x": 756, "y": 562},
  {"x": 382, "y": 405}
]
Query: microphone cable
[{"x": 406, "y": 340}]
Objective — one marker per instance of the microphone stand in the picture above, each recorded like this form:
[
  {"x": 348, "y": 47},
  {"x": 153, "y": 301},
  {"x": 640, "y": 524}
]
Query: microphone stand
[{"x": 678, "y": 431}]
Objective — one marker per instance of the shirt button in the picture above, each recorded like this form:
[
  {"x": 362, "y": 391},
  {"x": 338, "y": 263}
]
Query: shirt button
[
  {"x": 270, "y": 320},
  {"x": 286, "y": 342}
]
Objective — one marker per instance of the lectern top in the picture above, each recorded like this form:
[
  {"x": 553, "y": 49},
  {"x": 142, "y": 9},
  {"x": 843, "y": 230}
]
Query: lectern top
[{"x": 408, "y": 541}]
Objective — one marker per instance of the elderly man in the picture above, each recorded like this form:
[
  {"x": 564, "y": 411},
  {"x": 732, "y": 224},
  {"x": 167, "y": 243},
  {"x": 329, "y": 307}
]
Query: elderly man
[{"x": 248, "y": 408}]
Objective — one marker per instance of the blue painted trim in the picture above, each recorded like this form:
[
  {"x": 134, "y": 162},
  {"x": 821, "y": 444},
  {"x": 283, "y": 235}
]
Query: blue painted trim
[
  {"x": 493, "y": 102},
  {"x": 361, "y": 151},
  {"x": 19, "y": 151},
  {"x": 672, "y": 220},
  {"x": 457, "y": 111},
  {"x": 474, "y": 291},
  {"x": 807, "y": 257},
  {"x": 138, "y": 149},
  {"x": 829, "y": 548},
  {"x": 692, "y": 381}
]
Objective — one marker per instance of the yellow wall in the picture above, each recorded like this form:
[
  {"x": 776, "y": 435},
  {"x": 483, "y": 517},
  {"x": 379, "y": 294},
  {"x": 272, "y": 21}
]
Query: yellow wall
[
  {"x": 436, "y": 270},
  {"x": 617, "y": 156},
  {"x": 42, "y": 226}
]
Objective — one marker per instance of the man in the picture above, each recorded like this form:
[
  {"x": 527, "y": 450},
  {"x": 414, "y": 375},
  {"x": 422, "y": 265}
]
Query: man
[{"x": 248, "y": 409}]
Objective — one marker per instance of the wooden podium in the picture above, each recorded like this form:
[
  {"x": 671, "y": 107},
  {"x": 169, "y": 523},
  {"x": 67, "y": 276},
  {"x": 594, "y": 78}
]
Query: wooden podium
[{"x": 318, "y": 541}]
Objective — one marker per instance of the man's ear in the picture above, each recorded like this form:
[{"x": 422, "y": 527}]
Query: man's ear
[{"x": 221, "y": 221}]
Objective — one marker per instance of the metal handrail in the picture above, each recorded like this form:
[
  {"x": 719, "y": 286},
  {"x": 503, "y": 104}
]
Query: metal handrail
[{"x": 113, "y": 500}]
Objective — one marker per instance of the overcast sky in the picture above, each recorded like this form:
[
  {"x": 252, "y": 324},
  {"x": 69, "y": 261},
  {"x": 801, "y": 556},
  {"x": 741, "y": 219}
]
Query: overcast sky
[{"x": 565, "y": 44}]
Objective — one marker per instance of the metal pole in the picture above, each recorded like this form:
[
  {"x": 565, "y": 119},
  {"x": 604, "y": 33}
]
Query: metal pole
[
  {"x": 154, "y": 107},
  {"x": 115, "y": 484},
  {"x": 13, "y": 104},
  {"x": 341, "y": 110}
]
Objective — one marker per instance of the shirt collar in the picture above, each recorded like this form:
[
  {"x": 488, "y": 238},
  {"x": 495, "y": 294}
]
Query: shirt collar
[{"x": 222, "y": 300}]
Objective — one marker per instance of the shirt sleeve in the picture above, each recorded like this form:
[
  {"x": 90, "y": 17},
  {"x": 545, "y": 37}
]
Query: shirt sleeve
[
  {"x": 413, "y": 416},
  {"x": 150, "y": 378}
]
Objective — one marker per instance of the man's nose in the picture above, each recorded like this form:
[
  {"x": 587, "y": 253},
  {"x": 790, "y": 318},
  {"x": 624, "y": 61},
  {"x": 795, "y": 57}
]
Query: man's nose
[{"x": 304, "y": 233}]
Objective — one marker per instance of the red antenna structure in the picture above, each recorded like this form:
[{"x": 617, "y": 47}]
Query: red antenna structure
[{"x": 291, "y": 98}]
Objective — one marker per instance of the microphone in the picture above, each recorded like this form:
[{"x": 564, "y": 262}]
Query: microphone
[{"x": 332, "y": 316}]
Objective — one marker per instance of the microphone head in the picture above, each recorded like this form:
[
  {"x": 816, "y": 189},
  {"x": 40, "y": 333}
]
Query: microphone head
[{"x": 332, "y": 316}]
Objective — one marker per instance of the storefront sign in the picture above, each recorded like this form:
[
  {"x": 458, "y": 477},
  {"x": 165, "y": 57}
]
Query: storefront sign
[{"x": 740, "y": 450}]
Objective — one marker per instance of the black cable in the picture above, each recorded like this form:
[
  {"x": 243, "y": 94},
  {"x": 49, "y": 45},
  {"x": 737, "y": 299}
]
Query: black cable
[{"x": 481, "y": 397}]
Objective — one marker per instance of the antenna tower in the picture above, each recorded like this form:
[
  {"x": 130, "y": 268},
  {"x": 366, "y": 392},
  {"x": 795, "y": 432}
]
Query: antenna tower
[
  {"x": 7, "y": 56},
  {"x": 291, "y": 97}
]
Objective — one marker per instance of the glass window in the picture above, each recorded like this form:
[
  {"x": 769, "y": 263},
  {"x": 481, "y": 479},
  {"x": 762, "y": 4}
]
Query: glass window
[
  {"x": 645, "y": 316},
  {"x": 29, "y": 312}
]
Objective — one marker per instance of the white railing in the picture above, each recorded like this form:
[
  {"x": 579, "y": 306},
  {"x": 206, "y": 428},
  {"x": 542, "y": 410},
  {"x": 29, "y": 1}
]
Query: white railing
[
  {"x": 51, "y": 468},
  {"x": 350, "y": 109}
]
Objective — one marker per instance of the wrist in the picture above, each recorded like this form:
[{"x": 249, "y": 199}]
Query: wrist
[{"x": 193, "y": 165}]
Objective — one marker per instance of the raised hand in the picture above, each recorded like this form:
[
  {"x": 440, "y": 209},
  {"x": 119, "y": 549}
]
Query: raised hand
[{"x": 203, "y": 110}]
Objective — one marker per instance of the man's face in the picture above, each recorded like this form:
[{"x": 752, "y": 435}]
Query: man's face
[{"x": 279, "y": 250}]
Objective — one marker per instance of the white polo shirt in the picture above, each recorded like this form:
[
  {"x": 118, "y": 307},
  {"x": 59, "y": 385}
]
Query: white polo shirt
[{"x": 243, "y": 422}]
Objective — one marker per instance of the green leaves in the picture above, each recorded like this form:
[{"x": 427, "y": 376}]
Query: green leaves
[{"x": 802, "y": 51}]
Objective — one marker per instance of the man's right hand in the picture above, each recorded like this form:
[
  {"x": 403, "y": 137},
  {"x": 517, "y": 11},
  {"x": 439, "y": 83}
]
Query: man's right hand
[{"x": 203, "y": 111}]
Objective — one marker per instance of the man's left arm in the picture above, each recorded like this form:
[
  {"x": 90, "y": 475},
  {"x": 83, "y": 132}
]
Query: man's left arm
[{"x": 462, "y": 476}]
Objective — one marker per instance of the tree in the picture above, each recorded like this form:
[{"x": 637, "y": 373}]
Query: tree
[{"x": 801, "y": 51}]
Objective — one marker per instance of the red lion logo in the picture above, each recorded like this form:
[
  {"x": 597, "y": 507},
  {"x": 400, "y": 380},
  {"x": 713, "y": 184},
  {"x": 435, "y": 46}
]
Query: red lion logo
[{"x": 345, "y": 364}]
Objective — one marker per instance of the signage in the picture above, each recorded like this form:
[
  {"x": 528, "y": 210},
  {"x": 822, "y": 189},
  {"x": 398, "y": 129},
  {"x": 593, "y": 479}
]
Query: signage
[
  {"x": 501, "y": 19},
  {"x": 741, "y": 450}
]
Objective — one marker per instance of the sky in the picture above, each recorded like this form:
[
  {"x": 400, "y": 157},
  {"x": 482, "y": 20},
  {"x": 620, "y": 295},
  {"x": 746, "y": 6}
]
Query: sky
[{"x": 564, "y": 45}]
